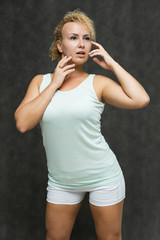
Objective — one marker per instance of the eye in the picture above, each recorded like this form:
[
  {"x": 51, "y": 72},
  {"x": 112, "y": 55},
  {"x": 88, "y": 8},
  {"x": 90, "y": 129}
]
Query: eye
[
  {"x": 87, "y": 38},
  {"x": 73, "y": 38}
]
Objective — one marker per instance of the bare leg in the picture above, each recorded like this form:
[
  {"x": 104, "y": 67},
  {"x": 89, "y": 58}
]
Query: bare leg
[
  {"x": 108, "y": 221},
  {"x": 60, "y": 219}
]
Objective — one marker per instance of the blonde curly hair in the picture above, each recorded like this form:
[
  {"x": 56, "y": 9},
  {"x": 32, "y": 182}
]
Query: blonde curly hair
[{"x": 73, "y": 16}]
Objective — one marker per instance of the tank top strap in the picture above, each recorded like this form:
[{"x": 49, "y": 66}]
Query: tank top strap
[
  {"x": 91, "y": 91},
  {"x": 90, "y": 78},
  {"x": 45, "y": 82},
  {"x": 88, "y": 82}
]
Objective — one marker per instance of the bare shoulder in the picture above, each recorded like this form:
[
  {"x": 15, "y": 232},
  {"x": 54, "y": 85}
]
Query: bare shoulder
[
  {"x": 99, "y": 83},
  {"x": 102, "y": 80},
  {"x": 33, "y": 89},
  {"x": 37, "y": 80}
]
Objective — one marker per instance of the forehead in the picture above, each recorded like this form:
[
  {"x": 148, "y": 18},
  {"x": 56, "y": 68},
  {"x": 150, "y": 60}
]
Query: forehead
[{"x": 74, "y": 27}]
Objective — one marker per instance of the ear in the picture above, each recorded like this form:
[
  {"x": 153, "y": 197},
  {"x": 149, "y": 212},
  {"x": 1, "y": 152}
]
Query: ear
[{"x": 59, "y": 46}]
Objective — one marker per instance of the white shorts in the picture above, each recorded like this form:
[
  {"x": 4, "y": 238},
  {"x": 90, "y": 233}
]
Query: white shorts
[{"x": 99, "y": 196}]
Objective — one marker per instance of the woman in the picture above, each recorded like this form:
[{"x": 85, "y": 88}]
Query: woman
[{"x": 69, "y": 103}]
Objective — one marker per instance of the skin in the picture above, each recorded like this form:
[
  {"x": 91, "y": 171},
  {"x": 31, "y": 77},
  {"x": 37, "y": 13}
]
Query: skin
[
  {"x": 75, "y": 38},
  {"x": 68, "y": 74}
]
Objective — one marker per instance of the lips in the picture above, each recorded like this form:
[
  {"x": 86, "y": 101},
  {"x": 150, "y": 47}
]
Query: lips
[{"x": 81, "y": 52}]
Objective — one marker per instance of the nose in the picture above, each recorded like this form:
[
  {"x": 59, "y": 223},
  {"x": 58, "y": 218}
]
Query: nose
[{"x": 81, "y": 42}]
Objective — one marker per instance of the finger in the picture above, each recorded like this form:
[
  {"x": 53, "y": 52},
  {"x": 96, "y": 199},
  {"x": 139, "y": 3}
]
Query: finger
[
  {"x": 97, "y": 45},
  {"x": 69, "y": 71},
  {"x": 97, "y": 61},
  {"x": 63, "y": 61},
  {"x": 95, "y": 51},
  {"x": 68, "y": 67}
]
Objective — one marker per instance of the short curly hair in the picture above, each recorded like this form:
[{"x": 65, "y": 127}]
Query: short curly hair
[{"x": 72, "y": 16}]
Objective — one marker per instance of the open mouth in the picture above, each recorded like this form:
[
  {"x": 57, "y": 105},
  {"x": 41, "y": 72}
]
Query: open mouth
[{"x": 81, "y": 53}]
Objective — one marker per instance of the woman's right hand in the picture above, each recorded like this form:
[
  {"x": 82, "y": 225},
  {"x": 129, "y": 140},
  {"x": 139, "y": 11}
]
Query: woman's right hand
[
  {"x": 32, "y": 107},
  {"x": 62, "y": 70}
]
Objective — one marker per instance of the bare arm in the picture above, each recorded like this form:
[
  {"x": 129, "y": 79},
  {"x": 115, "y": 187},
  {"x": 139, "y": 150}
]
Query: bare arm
[
  {"x": 135, "y": 95},
  {"x": 34, "y": 103},
  {"x": 129, "y": 93}
]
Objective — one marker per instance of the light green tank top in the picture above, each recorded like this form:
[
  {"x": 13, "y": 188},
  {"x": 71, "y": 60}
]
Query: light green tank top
[{"x": 77, "y": 153}]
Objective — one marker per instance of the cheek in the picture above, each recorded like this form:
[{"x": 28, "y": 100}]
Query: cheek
[
  {"x": 68, "y": 46},
  {"x": 89, "y": 47},
  {"x": 68, "y": 50}
]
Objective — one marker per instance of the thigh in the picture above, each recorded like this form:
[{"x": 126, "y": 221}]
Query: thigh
[
  {"x": 108, "y": 220},
  {"x": 60, "y": 219},
  {"x": 61, "y": 211},
  {"x": 106, "y": 205}
]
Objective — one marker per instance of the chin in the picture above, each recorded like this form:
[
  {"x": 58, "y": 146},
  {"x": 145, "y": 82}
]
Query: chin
[{"x": 80, "y": 61}]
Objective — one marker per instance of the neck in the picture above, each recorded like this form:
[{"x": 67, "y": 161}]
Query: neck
[{"x": 77, "y": 73}]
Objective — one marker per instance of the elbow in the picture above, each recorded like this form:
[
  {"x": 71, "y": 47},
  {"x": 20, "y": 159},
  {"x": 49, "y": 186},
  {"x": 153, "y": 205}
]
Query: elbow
[
  {"x": 19, "y": 125},
  {"x": 144, "y": 102},
  {"x": 21, "y": 129}
]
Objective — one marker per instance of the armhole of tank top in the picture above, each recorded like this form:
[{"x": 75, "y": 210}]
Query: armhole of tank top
[
  {"x": 94, "y": 92},
  {"x": 44, "y": 82}
]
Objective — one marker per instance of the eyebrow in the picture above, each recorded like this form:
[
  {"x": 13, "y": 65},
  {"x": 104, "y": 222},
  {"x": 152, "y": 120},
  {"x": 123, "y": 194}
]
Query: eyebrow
[{"x": 77, "y": 34}]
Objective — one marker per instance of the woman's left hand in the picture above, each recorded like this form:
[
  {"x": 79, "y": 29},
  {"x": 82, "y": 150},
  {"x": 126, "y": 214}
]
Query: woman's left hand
[{"x": 107, "y": 61}]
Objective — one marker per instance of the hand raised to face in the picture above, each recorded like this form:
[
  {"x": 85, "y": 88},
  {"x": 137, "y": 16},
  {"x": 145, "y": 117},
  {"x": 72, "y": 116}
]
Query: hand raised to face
[
  {"x": 107, "y": 61},
  {"x": 62, "y": 70}
]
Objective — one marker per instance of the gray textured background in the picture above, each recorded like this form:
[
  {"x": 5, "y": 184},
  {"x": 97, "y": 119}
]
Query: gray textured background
[{"x": 129, "y": 30}]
